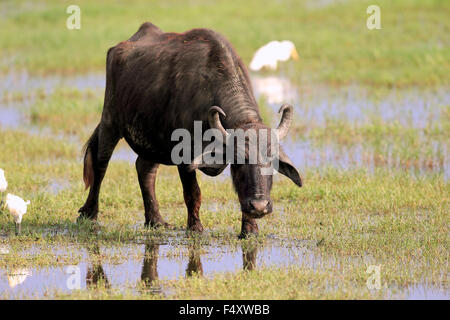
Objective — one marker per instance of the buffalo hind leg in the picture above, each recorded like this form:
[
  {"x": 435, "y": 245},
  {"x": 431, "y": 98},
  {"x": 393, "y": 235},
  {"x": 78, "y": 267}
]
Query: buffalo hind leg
[
  {"x": 249, "y": 226},
  {"x": 99, "y": 149},
  {"x": 147, "y": 177},
  {"x": 192, "y": 198}
]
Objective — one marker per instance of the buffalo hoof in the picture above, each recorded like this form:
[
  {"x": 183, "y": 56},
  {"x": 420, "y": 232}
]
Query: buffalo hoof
[
  {"x": 87, "y": 214},
  {"x": 159, "y": 224},
  {"x": 249, "y": 228},
  {"x": 197, "y": 228},
  {"x": 246, "y": 234}
]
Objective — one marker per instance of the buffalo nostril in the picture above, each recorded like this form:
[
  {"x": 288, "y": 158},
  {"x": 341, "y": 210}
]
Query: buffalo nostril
[{"x": 259, "y": 205}]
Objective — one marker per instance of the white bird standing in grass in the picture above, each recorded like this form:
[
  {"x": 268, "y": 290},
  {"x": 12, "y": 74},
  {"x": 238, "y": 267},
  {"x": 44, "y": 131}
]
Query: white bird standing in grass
[
  {"x": 3, "y": 182},
  {"x": 17, "y": 208},
  {"x": 3, "y": 186},
  {"x": 268, "y": 56}
]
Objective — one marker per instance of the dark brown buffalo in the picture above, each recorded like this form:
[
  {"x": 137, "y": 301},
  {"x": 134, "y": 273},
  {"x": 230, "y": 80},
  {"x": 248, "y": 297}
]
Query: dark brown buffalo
[{"x": 157, "y": 82}]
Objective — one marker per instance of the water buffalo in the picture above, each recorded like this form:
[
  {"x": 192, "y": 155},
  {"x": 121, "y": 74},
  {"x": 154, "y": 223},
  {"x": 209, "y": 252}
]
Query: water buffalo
[{"x": 158, "y": 82}]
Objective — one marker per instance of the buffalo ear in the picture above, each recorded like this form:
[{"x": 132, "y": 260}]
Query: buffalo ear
[{"x": 286, "y": 168}]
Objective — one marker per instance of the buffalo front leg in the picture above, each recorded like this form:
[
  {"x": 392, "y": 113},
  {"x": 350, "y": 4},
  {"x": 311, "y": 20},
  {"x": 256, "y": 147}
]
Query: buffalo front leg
[
  {"x": 249, "y": 226},
  {"x": 99, "y": 149},
  {"x": 146, "y": 171},
  {"x": 192, "y": 198}
]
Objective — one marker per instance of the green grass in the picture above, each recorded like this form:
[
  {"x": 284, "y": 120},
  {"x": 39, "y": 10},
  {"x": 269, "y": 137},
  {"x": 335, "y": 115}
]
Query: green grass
[
  {"x": 69, "y": 111},
  {"x": 412, "y": 48}
]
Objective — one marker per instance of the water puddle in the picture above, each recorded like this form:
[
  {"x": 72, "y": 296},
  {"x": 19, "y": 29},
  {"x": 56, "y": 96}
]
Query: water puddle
[
  {"x": 411, "y": 108},
  {"x": 55, "y": 186},
  {"x": 12, "y": 118},
  {"x": 305, "y": 154},
  {"x": 136, "y": 267},
  {"x": 425, "y": 292},
  {"x": 20, "y": 90},
  {"x": 316, "y": 106},
  {"x": 23, "y": 82},
  {"x": 144, "y": 264},
  {"x": 414, "y": 108}
]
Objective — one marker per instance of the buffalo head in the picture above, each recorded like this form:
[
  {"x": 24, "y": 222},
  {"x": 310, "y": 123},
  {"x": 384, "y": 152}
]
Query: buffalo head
[{"x": 256, "y": 155}]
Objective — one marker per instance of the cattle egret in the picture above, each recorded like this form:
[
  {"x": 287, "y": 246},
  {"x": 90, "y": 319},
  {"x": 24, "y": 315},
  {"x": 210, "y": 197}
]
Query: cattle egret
[
  {"x": 268, "y": 56},
  {"x": 3, "y": 182},
  {"x": 17, "y": 207}
]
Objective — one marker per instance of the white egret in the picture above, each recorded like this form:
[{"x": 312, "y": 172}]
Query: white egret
[
  {"x": 3, "y": 182},
  {"x": 17, "y": 207},
  {"x": 268, "y": 55},
  {"x": 3, "y": 185}
]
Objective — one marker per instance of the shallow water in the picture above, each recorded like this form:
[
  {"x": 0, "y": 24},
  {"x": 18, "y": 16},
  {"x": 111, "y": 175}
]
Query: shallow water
[
  {"x": 55, "y": 186},
  {"x": 12, "y": 118},
  {"x": 424, "y": 292},
  {"x": 23, "y": 82},
  {"x": 410, "y": 107},
  {"x": 136, "y": 267},
  {"x": 413, "y": 108},
  {"x": 148, "y": 262},
  {"x": 304, "y": 154},
  {"x": 20, "y": 90}
]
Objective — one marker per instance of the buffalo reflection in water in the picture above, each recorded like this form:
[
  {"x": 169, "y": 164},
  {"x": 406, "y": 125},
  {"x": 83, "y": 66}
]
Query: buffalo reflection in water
[
  {"x": 194, "y": 266},
  {"x": 96, "y": 275}
]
